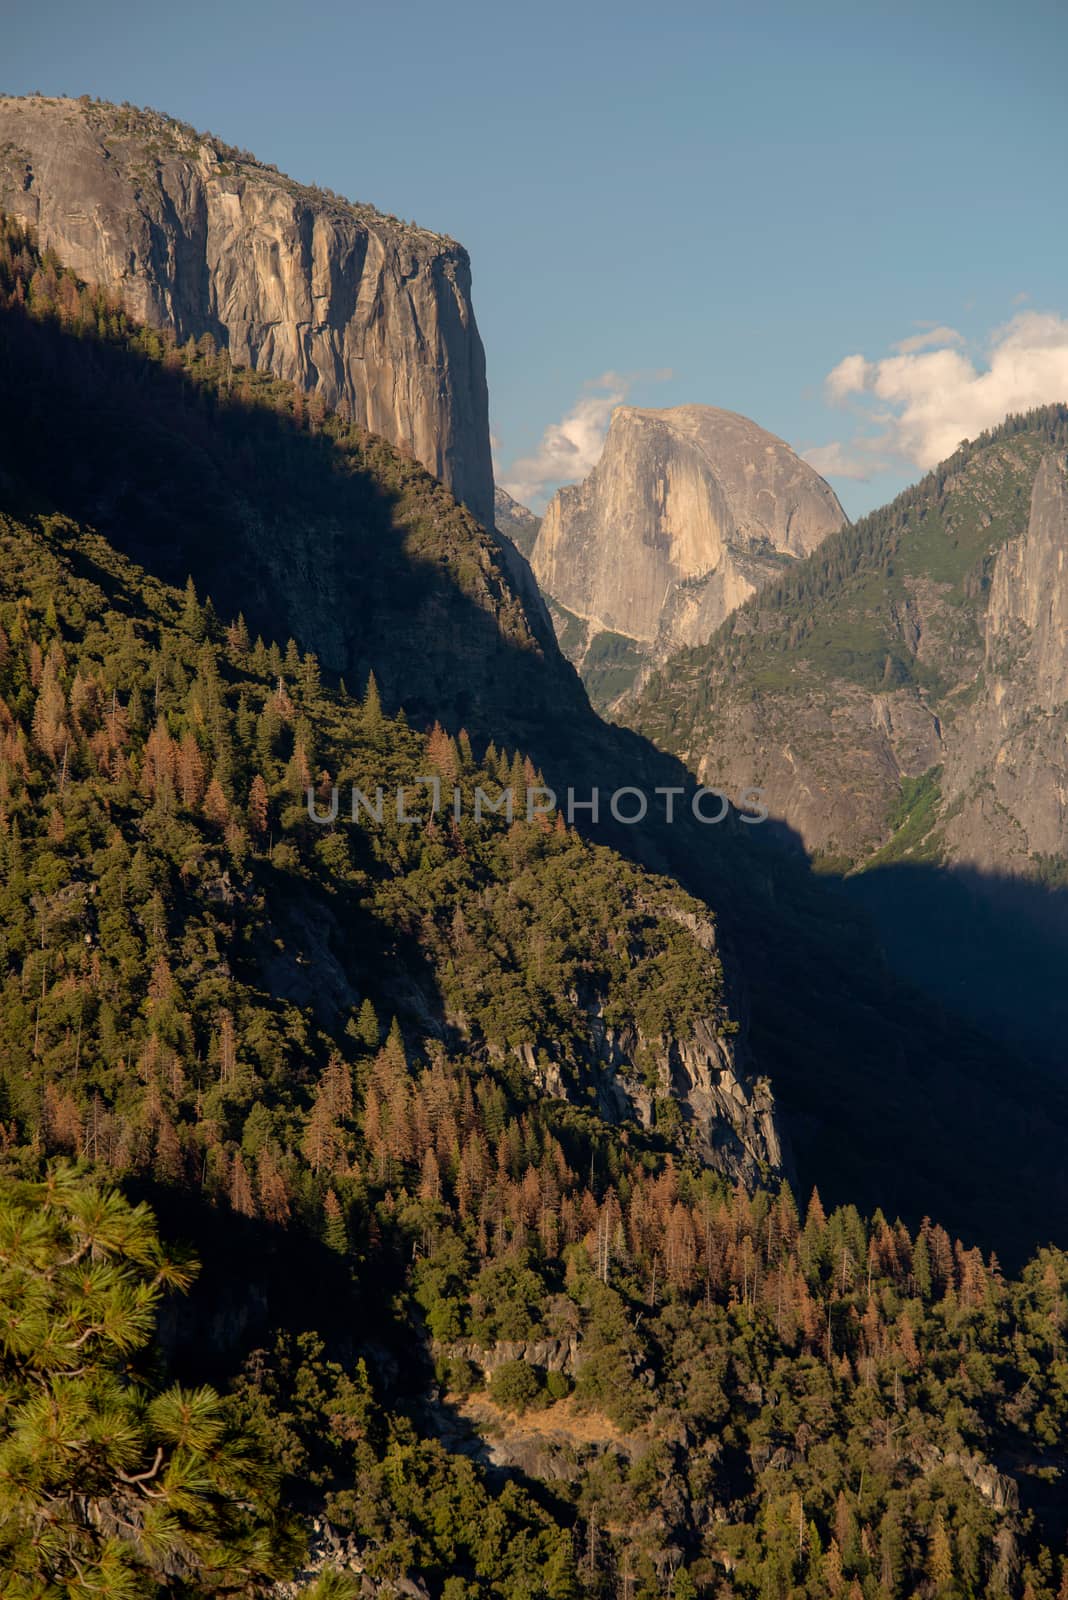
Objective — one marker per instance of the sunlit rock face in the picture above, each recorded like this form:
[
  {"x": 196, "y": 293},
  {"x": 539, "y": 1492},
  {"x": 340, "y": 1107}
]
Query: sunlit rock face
[{"x": 688, "y": 511}]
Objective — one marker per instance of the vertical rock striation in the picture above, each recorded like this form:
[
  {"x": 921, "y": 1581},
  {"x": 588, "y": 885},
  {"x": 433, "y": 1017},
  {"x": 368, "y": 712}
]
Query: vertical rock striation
[{"x": 357, "y": 307}]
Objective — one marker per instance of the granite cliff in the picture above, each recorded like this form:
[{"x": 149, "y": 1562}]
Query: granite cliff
[
  {"x": 687, "y": 513},
  {"x": 371, "y": 314}
]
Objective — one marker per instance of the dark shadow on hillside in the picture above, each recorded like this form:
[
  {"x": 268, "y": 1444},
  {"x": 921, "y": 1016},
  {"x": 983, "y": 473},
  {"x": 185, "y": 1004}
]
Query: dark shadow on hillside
[
  {"x": 255, "y": 1278},
  {"x": 357, "y": 554},
  {"x": 900, "y": 1090},
  {"x": 989, "y": 947},
  {"x": 890, "y": 1100}
]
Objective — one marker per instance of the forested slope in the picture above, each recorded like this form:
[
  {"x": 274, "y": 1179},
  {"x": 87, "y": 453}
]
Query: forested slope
[{"x": 415, "y": 1093}]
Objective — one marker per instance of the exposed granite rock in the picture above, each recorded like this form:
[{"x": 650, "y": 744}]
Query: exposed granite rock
[
  {"x": 728, "y": 1115},
  {"x": 357, "y": 307},
  {"x": 1000, "y": 1491},
  {"x": 555, "y": 1355},
  {"x": 332, "y": 1551},
  {"x": 688, "y": 511}
]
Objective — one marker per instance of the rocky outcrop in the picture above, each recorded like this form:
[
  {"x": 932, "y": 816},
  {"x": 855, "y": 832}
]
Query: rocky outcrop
[
  {"x": 330, "y": 1552},
  {"x": 688, "y": 511},
  {"x": 366, "y": 311},
  {"x": 554, "y": 1354},
  {"x": 727, "y": 1116}
]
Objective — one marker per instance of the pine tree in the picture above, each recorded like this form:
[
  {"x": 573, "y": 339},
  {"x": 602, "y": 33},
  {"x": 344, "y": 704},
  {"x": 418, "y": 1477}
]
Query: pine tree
[
  {"x": 190, "y": 772},
  {"x": 272, "y": 1188},
  {"x": 50, "y": 730},
  {"x": 334, "y": 1231},
  {"x": 216, "y": 807},
  {"x": 105, "y": 1487},
  {"x": 371, "y": 718},
  {"x": 258, "y": 806},
  {"x": 309, "y": 676},
  {"x": 921, "y": 1268},
  {"x": 442, "y": 755},
  {"x": 192, "y": 616},
  {"x": 365, "y": 1026},
  {"x": 237, "y": 637},
  {"x": 241, "y": 1197},
  {"x": 940, "y": 1555}
]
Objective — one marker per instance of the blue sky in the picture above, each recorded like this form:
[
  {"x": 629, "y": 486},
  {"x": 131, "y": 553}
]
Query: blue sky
[{"x": 741, "y": 195}]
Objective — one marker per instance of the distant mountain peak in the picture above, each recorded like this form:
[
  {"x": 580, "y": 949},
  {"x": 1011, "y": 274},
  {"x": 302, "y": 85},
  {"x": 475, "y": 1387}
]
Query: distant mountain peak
[{"x": 689, "y": 511}]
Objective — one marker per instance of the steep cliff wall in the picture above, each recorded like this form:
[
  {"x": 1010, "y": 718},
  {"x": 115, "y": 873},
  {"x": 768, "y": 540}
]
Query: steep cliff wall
[
  {"x": 1006, "y": 771},
  {"x": 356, "y": 307},
  {"x": 688, "y": 511}
]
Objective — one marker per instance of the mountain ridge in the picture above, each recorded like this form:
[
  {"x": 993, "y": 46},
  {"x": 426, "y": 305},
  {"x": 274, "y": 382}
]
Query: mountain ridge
[{"x": 899, "y": 696}]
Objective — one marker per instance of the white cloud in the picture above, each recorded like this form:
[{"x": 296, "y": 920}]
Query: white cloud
[
  {"x": 571, "y": 448},
  {"x": 932, "y": 398},
  {"x": 850, "y": 376},
  {"x": 930, "y": 338}
]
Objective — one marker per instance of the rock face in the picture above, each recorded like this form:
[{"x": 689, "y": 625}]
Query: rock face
[
  {"x": 730, "y": 1117},
  {"x": 728, "y": 1114},
  {"x": 688, "y": 511},
  {"x": 357, "y": 307},
  {"x": 1006, "y": 768},
  {"x": 830, "y": 770}
]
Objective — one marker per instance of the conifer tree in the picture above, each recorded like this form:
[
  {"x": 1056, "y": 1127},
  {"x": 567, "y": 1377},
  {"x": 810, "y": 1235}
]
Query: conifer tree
[
  {"x": 107, "y": 1488},
  {"x": 371, "y": 718},
  {"x": 258, "y": 806},
  {"x": 365, "y": 1026},
  {"x": 334, "y": 1231},
  {"x": 192, "y": 615}
]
